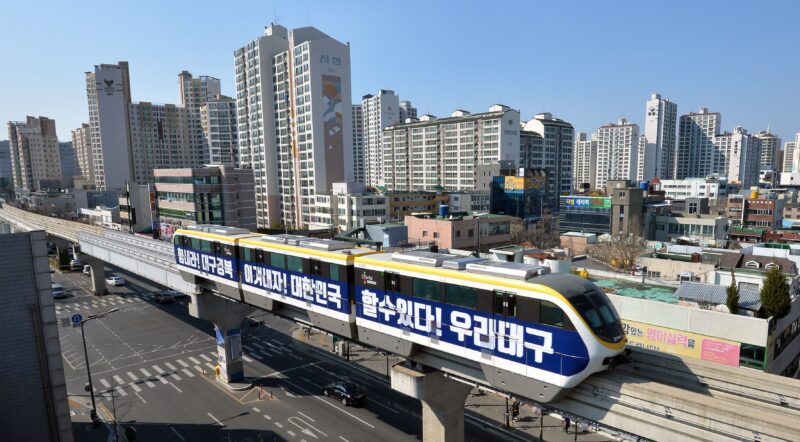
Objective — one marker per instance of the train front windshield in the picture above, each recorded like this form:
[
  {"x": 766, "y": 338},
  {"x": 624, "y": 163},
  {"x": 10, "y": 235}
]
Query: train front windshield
[{"x": 594, "y": 307}]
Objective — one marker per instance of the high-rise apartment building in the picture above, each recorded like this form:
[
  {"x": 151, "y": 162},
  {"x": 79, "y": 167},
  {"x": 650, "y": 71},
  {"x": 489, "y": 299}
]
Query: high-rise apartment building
[
  {"x": 34, "y": 150},
  {"x": 220, "y": 133},
  {"x": 407, "y": 111},
  {"x": 83, "y": 152},
  {"x": 558, "y": 138},
  {"x": 193, "y": 94},
  {"x": 294, "y": 117},
  {"x": 697, "y": 156},
  {"x": 739, "y": 156},
  {"x": 659, "y": 132},
  {"x": 617, "y": 152},
  {"x": 379, "y": 111},
  {"x": 644, "y": 157},
  {"x": 790, "y": 163},
  {"x": 159, "y": 139},
  {"x": 443, "y": 153},
  {"x": 5, "y": 162},
  {"x": 584, "y": 160},
  {"x": 68, "y": 163},
  {"x": 359, "y": 155},
  {"x": 770, "y": 148},
  {"x": 108, "y": 93}
]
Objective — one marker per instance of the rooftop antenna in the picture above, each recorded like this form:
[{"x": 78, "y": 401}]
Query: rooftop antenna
[{"x": 275, "y": 17}]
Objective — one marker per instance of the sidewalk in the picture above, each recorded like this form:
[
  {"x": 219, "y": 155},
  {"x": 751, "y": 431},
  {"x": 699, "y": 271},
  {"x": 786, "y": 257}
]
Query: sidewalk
[{"x": 484, "y": 407}]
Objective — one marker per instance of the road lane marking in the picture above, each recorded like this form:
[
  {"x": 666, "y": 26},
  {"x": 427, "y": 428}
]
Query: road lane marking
[
  {"x": 306, "y": 430},
  {"x": 267, "y": 417},
  {"x": 170, "y": 366},
  {"x": 199, "y": 369},
  {"x": 291, "y": 433},
  {"x": 176, "y": 387},
  {"x": 158, "y": 369},
  {"x": 256, "y": 409},
  {"x": 326, "y": 401},
  {"x": 307, "y": 417},
  {"x": 373, "y": 401},
  {"x": 132, "y": 376},
  {"x": 142, "y": 399},
  {"x": 175, "y": 375},
  {"x": 206, "y": 358},
  {"x": 105, "y": 383},
  {"x": 180, "y": 361},
  {"x": 176, "y": 433},
  {"x": 121, "y": 391},
  {"x": 188, "y": 373},
  {"x": 135, "y": 387},
  {"x": 194, "y": 360},
  {"x": 345, "y": 440},
  {"x": 278, "y": 424},
  {"x": 145, "y": 372},
  {"x": 210, "y": 365},
  {"x": 215, "y": 420},
  {"x": 258, "y": 345}
]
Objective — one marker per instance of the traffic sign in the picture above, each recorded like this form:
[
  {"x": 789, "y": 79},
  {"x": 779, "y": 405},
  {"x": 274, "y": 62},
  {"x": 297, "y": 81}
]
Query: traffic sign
[{"x": 76, "y": 319}]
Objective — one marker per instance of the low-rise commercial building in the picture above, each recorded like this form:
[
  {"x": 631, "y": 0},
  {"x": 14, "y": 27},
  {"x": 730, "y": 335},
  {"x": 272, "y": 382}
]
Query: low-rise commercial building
[
  {"x": 465, "y": 201},
  {"x": 349, "y": 205},
  {"x": 407, "y": 203},
  {"x": 755, "y": 211},
  {"x": 459, "y": 230},
  {"x": 705, "y": 230},
  {"x": 102, "y": 216},
  {"x": 585, "y": 214},
  {"x": 713, "y": 188},
  {"x": 212, "y": 194}
]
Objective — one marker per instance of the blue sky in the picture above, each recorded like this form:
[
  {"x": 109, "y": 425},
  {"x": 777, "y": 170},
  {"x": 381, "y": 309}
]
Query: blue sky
[{"x": 588, "y": 62}]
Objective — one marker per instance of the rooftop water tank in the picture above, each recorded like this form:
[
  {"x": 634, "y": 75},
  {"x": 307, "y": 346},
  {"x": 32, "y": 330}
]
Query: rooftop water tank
[{"x": 444, "y": 210}]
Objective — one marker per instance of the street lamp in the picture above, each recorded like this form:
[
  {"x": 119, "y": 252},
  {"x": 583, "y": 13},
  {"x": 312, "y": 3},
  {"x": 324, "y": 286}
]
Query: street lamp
[{"x": 93, "y": 414}]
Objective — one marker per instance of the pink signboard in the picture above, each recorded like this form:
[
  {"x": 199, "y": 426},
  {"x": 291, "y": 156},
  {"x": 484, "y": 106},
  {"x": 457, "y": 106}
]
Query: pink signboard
[{"x": 720, "y": 352}]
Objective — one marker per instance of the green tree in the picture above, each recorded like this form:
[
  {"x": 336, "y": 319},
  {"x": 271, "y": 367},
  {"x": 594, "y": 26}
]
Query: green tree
[
  {"x": 775, "y": 297},
  {"x": 733, "y": 296}
]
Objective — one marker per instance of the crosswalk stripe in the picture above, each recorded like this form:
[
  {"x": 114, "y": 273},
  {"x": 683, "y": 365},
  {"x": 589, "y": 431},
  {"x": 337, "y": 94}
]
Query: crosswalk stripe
[
  {"x": 206, "y": 358},
  {"x": 119, "y": 380},
  {"x": 135, "y": 387},
  {"x": 184, "y": 364},
  {"x": 158, "y": 369},
  {"x": 198, "y": 368},
  {"x": 210, "y": 365},
  {"x": 105, "y": 383},
  {"x": 132, "y": 376},
  {"x": 170, "y": 366},
  {"x": 145, "y": 372},
  {"x": 194, "y": 360},
  {"x": 188, "y": 373},
  {"x": 175, "y": 375},
  {"x": 121, "y": 391}
]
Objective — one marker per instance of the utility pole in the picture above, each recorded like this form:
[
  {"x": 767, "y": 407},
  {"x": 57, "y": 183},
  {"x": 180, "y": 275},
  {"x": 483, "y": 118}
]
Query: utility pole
[{"x": 93, "y": 413}]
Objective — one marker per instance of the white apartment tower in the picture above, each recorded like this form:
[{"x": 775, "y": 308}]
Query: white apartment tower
[
  {"x": 109, "y": 96},
  {"x": 790, "y": 164},
  {"x": 380, "y": 110},
  {"x": 34, "y": 151},
  {"x": 770, "y": 148},
  {"x": 659, "y": 132},
  {"x": 443, "y": 153},
  {"x": 294, "y": 115},
  {"x": 160, "y": 139},
  {"x": 644, "y": 159},
  {"x": 739, "y": 154},
  {"x": 83, "y": 152},
  {"x": 193, "y": 94},
  {"x": 558, "y": 141},
  {"x": 617, "y": 152},
  {"x": 359, "y": 155},
  {"x": 584, "y": 160},
  {"x": 407, "y": 111},
  {"x": 697, "y": 156},
  {"x": 220, "y": 133}
]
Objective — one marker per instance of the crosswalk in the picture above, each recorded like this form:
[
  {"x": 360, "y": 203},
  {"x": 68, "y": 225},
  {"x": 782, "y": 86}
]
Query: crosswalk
[{"x": 99, "y": 303}]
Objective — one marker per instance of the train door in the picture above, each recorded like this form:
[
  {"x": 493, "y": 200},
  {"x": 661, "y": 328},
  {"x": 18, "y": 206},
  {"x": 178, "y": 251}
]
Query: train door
[{"x": 505, "y": 304}]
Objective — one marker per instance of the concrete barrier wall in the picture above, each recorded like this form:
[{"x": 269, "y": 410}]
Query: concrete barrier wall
[{"x": 737, "y": 328}]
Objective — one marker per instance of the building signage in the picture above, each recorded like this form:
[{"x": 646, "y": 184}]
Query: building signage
[
  {"x": 313, "y": 289},
  {"x": 587, "y": 201},
  {"x": 692, "y": 345},
  {"x": 547, "y": 348}
]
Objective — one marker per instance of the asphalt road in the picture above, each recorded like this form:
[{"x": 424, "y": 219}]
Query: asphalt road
[{"x": 152, "y": 367}]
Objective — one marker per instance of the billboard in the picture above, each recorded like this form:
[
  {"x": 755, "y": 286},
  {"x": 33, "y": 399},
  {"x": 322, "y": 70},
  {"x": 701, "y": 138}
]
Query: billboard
[
  {"x": 596, "y": 202},
  {"x": 680, "y": 343}
]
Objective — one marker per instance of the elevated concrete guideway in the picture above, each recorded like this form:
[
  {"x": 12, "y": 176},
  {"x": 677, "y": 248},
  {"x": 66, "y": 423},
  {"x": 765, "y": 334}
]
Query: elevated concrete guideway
[{"x": 658, "y": 397}]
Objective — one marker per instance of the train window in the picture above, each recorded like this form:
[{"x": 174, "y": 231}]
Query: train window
[
  {"x": 247, "y": 254},
  {"x": 205, "y": 246},
  {"x": 335, "y": 271},
  {"x": 262, "y": 257},
  {"x": 505, "y": 303},
  {"x": 195, "y": 244},
  {"x": 528, "y": 309},
  {"x": 423, "y": 288},
  {"x": 551, "y": 314},
  {"x": 226, "y": 249},
  {"x": 314, "y": 267},
  {"x": 277, "y": 260},
  {"x": 462, "y": 296},
  {"x": 368, "y": 278},
  {"x": 485, "y": 301},
  {"x": 294, "y": 263},
  {"x": 215, "y": 248}
]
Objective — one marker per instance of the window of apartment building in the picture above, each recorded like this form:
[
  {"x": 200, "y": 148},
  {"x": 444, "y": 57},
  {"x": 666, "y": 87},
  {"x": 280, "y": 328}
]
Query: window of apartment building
[
  {"x": 748, "y": 286},
  {"x": 424, "y": 233},
  {"x": 692, "y": 207}
]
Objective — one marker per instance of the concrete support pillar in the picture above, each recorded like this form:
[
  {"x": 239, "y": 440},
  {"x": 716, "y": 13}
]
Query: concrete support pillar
[
  {"x": 442, "y": 402},
  {"x": 98, "y": 275},
  {"x": 227, "y": 316}
]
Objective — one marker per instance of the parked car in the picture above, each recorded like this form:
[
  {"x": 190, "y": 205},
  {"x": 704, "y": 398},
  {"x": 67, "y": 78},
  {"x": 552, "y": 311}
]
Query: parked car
[
  {"x": 347, "y": 392},
  {"x": 87, "y": 270},
  {"x": 164, "y": 297},
  {"x": 75, "y": 265},
  {"x": 51, "y": 248},
  {"x": 115, "y": 281},
  {"x": 58, "y": 291}
]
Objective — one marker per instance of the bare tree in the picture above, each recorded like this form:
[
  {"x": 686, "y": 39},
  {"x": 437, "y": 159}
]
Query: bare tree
[{"x": 620, "y": 251}]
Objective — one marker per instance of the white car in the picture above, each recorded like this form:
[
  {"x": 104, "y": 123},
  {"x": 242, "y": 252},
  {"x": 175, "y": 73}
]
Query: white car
[
  {"x": 58, "y": 291},
  {"x": 115, "y": 281}
]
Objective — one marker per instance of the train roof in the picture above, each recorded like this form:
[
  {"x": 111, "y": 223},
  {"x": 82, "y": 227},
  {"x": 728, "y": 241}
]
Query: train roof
[
  {"x": 216, "y": 231},
  {"x": 314, "y": 246}
]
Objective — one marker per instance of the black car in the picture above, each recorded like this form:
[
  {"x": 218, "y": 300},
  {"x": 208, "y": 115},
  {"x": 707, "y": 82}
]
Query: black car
[
  {"x": 164, "y": 297},
  {"x": 347, "y": 392}
]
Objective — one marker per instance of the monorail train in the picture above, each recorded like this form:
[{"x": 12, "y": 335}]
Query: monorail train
[{"x": 510, "y": 325}]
